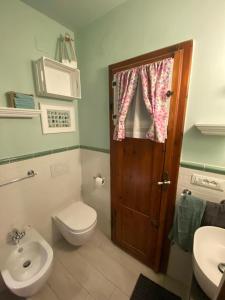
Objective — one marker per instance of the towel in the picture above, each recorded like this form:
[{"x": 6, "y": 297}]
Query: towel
[
  {"x": 214, "y": 214},
  {"x": 187, "y": 219}
]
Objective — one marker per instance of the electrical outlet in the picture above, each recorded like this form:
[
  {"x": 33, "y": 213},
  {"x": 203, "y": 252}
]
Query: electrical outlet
[{"x": 208, "y": 182}]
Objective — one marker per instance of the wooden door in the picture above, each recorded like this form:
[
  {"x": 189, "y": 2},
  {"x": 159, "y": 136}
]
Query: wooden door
[{"x": 142, "y": 209}]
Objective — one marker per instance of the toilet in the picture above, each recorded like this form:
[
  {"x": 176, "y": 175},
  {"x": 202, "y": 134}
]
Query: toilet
[{"x": 76, "y": 222}]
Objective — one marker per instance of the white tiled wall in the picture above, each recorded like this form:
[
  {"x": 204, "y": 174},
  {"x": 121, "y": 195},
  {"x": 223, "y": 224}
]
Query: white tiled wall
[
  {"x": 207, "y": 194},
  {"x": 33, "y": 201},
  {"x": 93, "y": 163},
  {"x": 97, "y": 163}
]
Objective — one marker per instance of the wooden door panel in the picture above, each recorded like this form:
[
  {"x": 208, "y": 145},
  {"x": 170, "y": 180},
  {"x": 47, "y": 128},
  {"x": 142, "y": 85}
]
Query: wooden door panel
[
  {"x": 141, "y": 209},
  {"x": 138, "y": 196},
  {"x": 136, "y": 184},
  {"x": 136, "y": 234},
  {"x": 134, "y": 225}
]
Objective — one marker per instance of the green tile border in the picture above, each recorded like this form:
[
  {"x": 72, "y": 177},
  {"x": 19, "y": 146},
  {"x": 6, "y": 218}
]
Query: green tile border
[
  {"x": 52, "y": 151},
  {"x": 94, "y": 149},
  {"x": 35, "y": 155},
  {"x": 192, "y": 165},
  {"x": 185, "y": 164},
  {"x": 202, "y": 167}
]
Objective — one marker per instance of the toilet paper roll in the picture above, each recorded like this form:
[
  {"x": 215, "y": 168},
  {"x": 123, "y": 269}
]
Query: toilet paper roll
[{"x": 99, "y": 181}]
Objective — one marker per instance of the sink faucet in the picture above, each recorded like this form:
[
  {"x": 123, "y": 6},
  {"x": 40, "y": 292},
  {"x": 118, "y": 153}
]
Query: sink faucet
[{"x": 16, "y": 235}]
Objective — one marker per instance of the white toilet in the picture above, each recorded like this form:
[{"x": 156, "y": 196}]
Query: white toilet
[{"x": 76, "y": 222}]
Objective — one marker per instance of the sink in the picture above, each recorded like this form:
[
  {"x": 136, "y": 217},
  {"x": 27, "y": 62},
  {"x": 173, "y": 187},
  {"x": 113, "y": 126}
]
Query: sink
[
  {"x": 28, "y": 265},
  {"x": 208, "y": 253}
]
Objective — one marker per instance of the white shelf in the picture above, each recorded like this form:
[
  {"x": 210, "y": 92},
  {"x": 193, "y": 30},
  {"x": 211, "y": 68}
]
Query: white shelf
[
  {"x": 56, "y": 80},
  {"x": 10, "y": 112},
  {"x": 211, "y": 129}
]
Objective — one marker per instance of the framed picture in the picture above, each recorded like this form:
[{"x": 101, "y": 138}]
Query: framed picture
[{"x": 57, "y": 118}]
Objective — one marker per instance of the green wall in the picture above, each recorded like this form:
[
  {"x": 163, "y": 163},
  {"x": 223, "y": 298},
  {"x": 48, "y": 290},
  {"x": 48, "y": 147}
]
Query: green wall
[
  {"x": 26, "y": 35},
  {"x": 137, "y": 27}
]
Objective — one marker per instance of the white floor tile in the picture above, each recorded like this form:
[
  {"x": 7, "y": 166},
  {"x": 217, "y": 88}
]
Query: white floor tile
[
  {"x": 64, "y": 285},
  {"x": 45, "y": 294},
  {"x": 110, "y": 268},
  {"x": 119, "y": 295},
  {"x": 98, "y": 270},
  {"x": 89, "y": 297},
  {"x": 87, "y": 275},
  {"x": 123, "y": 258}
]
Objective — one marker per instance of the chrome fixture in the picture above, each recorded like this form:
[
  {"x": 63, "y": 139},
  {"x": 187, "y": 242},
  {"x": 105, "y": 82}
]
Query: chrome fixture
[
  {"x": 165, "y": 179},
  {"x": 186, "y": 192},
  {"x": 221, "y": 267},
  {"x": 16, "y": 235},
  {"x": 30, "y": 174},
  {"x": 164, "y": 182},
  {"x": 99, "y": 176}
]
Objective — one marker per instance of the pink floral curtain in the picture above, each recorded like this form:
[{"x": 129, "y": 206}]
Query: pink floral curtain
[
  {"x": 155, "y": 79},
  {"x": 126, "y": 85}
]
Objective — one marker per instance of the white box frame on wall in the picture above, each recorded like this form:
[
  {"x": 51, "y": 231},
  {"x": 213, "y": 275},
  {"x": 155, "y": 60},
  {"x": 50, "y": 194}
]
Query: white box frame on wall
[
  {"x": 57, "y": 118},
  {"x": 56, "y": 80}
]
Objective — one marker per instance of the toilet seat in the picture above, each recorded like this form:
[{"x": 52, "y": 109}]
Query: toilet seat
[{"x": 77, "y": 217}]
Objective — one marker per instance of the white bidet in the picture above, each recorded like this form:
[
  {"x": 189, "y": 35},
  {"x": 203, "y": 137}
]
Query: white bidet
[{"x": 28, "y": 266}]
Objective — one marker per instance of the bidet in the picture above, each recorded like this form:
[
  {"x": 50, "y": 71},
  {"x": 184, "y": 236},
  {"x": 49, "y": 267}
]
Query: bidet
[{"x": 28, "y": 265}]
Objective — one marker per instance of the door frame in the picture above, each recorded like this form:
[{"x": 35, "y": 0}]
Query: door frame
[{"x": 172, "y": 155}]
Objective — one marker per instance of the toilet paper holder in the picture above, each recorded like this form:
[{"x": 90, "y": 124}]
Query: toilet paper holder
[{"x": 100, "y": 177}]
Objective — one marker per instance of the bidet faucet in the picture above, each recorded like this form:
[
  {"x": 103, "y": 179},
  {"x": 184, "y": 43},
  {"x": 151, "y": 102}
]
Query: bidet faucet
[{"x": 16, "y": 235}]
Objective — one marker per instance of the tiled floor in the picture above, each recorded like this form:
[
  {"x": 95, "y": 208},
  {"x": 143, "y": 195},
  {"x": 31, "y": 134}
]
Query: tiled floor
[{"x": 98, "y": 270}]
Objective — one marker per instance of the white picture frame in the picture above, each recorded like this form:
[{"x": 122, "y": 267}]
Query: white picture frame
[{"x": 57, "y": 118}]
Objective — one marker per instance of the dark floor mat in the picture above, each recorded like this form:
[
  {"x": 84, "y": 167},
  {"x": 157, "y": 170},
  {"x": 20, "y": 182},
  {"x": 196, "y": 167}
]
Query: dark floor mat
[{"x": 145, "y": 289}]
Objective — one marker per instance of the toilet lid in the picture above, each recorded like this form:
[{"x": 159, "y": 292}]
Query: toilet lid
[{"x": 77, "y": 216}]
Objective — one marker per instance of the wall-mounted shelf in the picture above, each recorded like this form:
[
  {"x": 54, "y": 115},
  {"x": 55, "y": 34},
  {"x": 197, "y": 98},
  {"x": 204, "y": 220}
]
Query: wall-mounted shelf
[
  {"x": 10, "y": 112},
  {"x": 211, "y": 129},
  {"x": 56, "y": 80}
]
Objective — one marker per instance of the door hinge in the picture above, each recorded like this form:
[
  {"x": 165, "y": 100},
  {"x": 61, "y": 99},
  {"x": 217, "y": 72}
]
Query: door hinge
[
  {"x": 113, "y": 83},
  {"x": 169, "y": 93},
  {"x": 114, "y": 214}
]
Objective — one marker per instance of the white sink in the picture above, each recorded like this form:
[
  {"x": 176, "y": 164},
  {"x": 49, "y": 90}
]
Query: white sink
[
  {"x": 28, "y": 265},
  {"x": 208, "y": 253}
]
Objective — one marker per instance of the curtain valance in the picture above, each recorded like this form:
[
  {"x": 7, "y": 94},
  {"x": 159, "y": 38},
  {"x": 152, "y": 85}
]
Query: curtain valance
[{"x": 155, "y": 79}]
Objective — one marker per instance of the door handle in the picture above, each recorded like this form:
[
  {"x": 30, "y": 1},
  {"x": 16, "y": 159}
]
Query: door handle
[{"x": 164, "y": 182}]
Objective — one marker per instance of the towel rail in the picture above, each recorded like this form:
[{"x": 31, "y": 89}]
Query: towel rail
[
  {"x": 186, "y": 192},
  {"x": 30, "y": 174}
]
